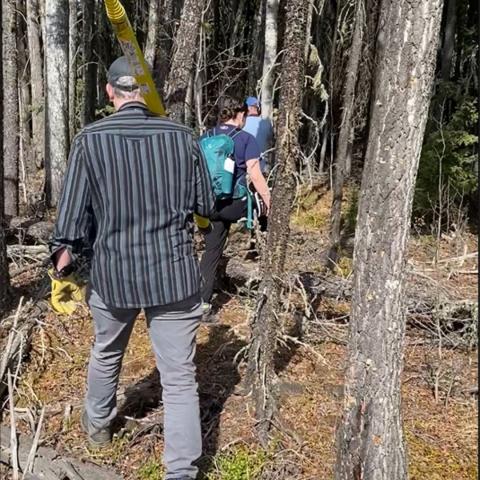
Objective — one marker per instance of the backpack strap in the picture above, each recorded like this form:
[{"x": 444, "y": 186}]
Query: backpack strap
[{"x": 236, "y": 131}]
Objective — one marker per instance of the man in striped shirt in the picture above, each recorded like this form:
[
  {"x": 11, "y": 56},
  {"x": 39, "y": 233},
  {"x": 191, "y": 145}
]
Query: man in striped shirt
[{"x": 137, "y": 179}]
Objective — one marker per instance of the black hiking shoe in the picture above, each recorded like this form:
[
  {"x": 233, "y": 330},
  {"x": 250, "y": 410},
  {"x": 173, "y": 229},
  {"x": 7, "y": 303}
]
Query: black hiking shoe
[{"x": 97, "y": 437}]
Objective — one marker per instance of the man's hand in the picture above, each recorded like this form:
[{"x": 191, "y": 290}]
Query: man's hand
[
  {"x": 66, "y": 293},
  {"x": 204, "y": 225}
]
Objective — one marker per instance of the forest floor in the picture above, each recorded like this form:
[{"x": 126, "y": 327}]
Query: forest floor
[{"x": 439, "y": 398}]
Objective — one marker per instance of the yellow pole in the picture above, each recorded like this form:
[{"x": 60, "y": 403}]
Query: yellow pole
[{"x": 128, "y": 41}]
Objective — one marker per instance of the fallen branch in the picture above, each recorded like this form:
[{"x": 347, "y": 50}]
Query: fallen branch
[
  {"x": 13, "y": 431},
  {"x": 424, "y": 306},
  {"x": 19, "y": 338},
  {"x": 31, "y": 456}
]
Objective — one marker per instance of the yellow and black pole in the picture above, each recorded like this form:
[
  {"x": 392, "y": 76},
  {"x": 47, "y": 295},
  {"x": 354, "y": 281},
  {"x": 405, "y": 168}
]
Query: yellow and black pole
[{"x": 128, "y": 41}]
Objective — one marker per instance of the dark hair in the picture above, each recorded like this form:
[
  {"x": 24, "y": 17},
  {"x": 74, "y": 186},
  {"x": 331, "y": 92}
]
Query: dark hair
[{"x": 229, "y": 109}]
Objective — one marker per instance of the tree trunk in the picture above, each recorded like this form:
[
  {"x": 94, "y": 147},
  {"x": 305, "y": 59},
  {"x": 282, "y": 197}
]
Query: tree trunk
[
  {"x": 72, "y": 68},
  {"x": 163, "y": 52},
  {"x": 269, "y": 58},
  {"x": 36, "y": 78},
  {"x": 365, "y": 77},
  {"x": 370, "y": 439},
  {"x": 346, "y": 134},
  {"x": 152, "y": 33},
  {"x": 89, "y": 67},
  {"x": 264, "y": 328},
  {"x": 56, "y": 134},
  {"x": 448, "y": 48},
  {"x": 4, "y": 276},
  {"x": 186, "y": 42},
  {"x": 10, "y": 106},
  {"x": 256, "y": 61},
  {"x": 27, "y": 169}
]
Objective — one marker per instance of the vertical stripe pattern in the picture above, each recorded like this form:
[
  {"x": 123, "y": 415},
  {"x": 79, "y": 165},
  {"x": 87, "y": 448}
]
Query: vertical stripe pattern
[{"x": 143, "y": 177}]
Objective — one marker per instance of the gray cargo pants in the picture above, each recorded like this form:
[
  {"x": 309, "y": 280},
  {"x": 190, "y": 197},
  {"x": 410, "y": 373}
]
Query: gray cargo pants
[{"x": 173, "y": 339}]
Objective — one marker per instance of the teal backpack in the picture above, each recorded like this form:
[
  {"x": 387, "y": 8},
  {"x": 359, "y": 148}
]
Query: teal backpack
[{"x": 218, "y": 151}]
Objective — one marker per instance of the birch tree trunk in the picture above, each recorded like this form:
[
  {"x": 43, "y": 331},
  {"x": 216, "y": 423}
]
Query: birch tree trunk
[
  {"x": 342, "y": 164},
  {"x": 4, "y": 276},
  {"x": 269, "y": 57},
  {"x": 186, "y": 43},
  {"x": 152, "y": 33},
  {"x": 265, "y": 328},
  {"x": 10, "y": 106},
  {"x": 36, "y": 79},
  {"x": 370, "y": 439},
  {"x": 27, "y": 168},
  {"x": 56, "y": 134},
  {"x": 72, "y": 67}
]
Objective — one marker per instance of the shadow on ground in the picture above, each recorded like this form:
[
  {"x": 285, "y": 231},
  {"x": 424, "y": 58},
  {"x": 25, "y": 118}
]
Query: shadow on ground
[{"x": 217, "y": 377}]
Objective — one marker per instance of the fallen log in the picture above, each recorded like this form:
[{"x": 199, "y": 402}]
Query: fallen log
[
  {"x": 48, "y": 464},
  {"x": 37, "y": 252},
  {"x": 29, "y": 230},
  {"x": 429, "y": 305}
]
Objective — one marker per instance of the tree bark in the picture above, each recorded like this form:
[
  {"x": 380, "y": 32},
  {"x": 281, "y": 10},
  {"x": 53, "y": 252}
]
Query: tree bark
[
  {"x": 370, "y": 439},
  {"x": 56, "y": 54},
  {"x": 256, "y": 61},
  {"x": 186, "y": 42},
  {"x": 72, "y": 67},
  {"x": 36, "y": 80},
  {"x": 10, "y": 106},
  {"x": 27, "y": 169},
  {"x": 264, "y": 328},
  {"x": 342, "y": 164},
  {"x": 269, "y": 57},
  {"x": 89, "y": 66},
  {"x": 365, "y": 77},
  {"x": 152, "y": 33},
  {"x": 4, "y": 275},
  {"x": 163, "y": 52},
  {"x": 448, "y": 48}
]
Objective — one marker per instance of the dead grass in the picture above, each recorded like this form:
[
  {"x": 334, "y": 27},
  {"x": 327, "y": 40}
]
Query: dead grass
[
  {"x": 441, "y": 435},
  {"x": 441, "y": 440}
]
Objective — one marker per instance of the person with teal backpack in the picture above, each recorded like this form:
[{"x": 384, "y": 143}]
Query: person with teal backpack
[{"x": 231, "y": 155}]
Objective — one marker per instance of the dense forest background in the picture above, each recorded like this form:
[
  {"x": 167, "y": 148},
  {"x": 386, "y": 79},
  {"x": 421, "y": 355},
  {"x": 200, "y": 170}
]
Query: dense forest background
[{"x": 237, "y": 52}]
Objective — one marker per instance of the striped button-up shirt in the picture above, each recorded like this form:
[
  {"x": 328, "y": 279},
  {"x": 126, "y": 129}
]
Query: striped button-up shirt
[{"x": 136, "y": 179}]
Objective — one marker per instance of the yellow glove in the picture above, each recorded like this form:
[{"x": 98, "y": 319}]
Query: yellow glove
[
  {"x": 66, "y": 293},
  {"x": 203, "y": 223}
]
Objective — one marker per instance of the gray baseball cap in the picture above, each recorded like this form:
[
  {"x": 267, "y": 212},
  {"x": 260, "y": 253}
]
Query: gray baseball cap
[{"x": 121, "y": 75}]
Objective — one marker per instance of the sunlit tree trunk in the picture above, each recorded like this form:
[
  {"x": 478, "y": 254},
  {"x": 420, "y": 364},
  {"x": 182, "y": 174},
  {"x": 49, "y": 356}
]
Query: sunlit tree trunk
[
  {"x": 185, "y": 48},
  {"x": 269, "y": 58},
  {"x": 152, "y": 33},
  {"x": 56, "y": 136},
  {"x": 4, "y": 276},
  {"x": 265, "y": 327},
  {"x": 370, "y": 438}
]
